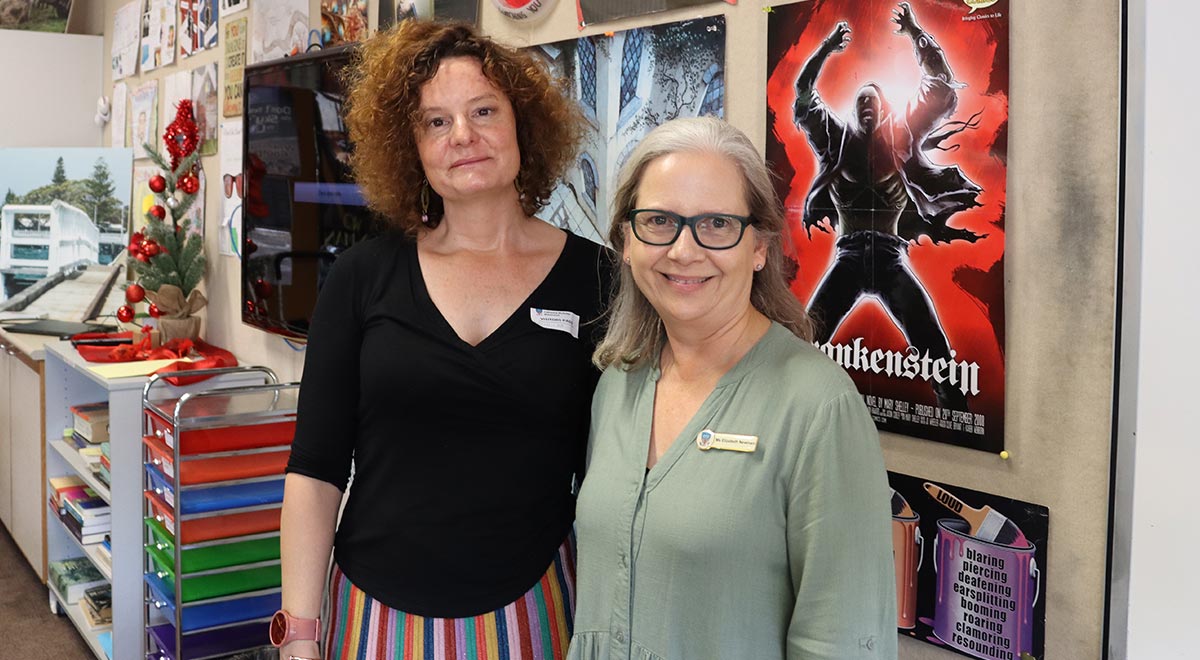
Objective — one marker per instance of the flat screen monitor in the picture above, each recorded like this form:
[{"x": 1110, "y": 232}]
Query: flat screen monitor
[{"x": 300, "y": 206}]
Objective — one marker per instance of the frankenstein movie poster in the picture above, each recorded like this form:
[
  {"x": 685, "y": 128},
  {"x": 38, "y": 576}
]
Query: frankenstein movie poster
[{"x": 887, "y": 123}]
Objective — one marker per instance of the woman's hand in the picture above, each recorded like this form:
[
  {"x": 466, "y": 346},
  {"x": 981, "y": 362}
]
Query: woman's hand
[{"x": 300, "y": 649}]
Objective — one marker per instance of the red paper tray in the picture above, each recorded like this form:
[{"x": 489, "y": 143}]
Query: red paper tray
[{"x": 224, "y": 438}]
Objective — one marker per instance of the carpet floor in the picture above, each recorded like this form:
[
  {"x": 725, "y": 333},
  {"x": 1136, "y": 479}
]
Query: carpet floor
[{"x": 27, "y": 628}]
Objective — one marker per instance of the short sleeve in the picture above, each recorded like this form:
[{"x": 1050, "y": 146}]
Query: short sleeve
[
  {"x": 839, "y": 540},
  {"x": 327, "y": 414}
]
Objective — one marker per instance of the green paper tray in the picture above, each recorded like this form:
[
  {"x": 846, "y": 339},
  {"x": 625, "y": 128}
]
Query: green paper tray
[
  {"x": 208, "y": 558},
  {"x": 213, "y": 585}
]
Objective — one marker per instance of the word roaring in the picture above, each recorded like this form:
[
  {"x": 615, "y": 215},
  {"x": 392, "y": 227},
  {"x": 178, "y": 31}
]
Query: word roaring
[{"x": 910, "y": 364}]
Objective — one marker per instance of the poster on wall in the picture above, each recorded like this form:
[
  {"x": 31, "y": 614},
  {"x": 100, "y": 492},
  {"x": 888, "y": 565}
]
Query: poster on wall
[
  {"x": 391, "y": 11},
  {"x": 204, "y": 106},
  {"x": 124, "y": 48},
  {"x": 62, "y": 206},
  {"x": 627, "y": 84},
  {"x": 230, "y": 238},
  {"x": 970, "y": 569},
  {"x": 35, "y": 15},
  {"x": 144, "y": 118},
  {"x": 343, "y": 21},
  {"x": 235, "y": 63},
  {"x": 229, "y": 7},
  {"x": 142, "y": 197},
  {"x": 278, "y": 29},
  {"x": 887, "y": 125},
  {"x": 158, "y": 34},
  {"x": 199, "y": 26},
  {"x": 597, "y": 11}
]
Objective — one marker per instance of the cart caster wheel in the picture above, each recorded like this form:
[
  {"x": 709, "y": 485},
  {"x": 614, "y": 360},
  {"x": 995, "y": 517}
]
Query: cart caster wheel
[{"x": 54, "y": 608}]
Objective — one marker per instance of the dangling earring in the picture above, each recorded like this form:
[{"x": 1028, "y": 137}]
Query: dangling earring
[
  {"x": 425, "y": 202},
  {"x": 519, "y": 187}
]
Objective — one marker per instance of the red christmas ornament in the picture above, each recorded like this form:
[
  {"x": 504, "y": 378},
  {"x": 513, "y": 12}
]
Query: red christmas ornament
[
  {"x": 263, "y": 288},
  {"x": 137, "y": 237},
  {"x": 181, "y": 136},
  {"x": 154, "y": 311},
  {"x": 141, "y": 256},
  {"x": 150, "y": 248},
  {"x": 124, "y": 313},
  {"x": 158, "y": 183},
  {"x": 189, "y": 183},
  {"x": 134, "y": 293},
  {"x": 158, "y": 212},
  {"x": 135, "y": 248}
]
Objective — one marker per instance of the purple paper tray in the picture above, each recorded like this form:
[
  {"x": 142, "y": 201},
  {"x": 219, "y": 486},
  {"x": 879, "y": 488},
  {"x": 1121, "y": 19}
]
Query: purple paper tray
[{"x": 210, "y": 643}]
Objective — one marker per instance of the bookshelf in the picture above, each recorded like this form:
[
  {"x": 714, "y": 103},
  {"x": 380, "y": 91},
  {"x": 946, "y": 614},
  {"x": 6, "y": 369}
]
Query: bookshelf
[{"x": 69, "y": 381}]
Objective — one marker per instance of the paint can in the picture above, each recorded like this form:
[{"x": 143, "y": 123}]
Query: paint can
[{"x": 985, "y": 594}]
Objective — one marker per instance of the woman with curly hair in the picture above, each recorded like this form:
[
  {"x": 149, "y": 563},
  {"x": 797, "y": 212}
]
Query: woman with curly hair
[{"x": 449, "y": 366}]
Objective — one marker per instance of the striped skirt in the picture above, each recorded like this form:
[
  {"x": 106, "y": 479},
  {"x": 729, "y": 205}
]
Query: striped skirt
[{"x": 536, "y": 626}]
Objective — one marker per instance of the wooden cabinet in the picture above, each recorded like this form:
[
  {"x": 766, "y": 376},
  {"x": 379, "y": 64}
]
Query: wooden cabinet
[{"x": 22, "y": 447}]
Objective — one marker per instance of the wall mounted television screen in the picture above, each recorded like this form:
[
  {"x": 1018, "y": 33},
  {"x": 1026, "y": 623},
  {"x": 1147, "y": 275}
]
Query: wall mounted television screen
[{"x": 301, "y": 207}]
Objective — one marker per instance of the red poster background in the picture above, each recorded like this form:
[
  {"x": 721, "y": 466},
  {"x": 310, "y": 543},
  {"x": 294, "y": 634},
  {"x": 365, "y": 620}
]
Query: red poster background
[{"x": 964, "y": 280}]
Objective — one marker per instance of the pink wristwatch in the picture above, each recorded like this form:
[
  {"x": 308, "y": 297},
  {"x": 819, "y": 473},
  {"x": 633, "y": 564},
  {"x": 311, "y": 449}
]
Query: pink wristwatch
[{"x": 286, "y": 628}]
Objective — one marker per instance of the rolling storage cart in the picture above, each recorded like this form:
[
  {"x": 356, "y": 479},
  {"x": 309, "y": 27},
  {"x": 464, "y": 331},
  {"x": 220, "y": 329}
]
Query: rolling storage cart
[{"x": 213, "y": 488}]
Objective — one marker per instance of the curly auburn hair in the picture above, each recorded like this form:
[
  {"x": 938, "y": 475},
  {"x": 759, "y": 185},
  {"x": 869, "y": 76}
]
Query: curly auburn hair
[{"x": 383, "y": 107}]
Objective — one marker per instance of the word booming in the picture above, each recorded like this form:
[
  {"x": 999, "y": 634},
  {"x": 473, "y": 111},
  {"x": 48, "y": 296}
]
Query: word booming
[{"x": 910, "y": 364}]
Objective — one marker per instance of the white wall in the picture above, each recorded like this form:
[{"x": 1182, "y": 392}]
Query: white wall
[
  {"x": 50, "y": 84},
  {"x": 1156, "y": 533}
]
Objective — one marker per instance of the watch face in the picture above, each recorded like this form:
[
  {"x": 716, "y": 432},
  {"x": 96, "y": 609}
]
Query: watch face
[{"x": 278, "y": 628}]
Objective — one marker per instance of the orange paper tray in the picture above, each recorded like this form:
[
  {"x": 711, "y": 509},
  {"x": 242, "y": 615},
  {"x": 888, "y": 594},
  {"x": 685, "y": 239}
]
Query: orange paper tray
[
  {"x": 221, "y": 468},
  {"x": 212, "y": 528}
]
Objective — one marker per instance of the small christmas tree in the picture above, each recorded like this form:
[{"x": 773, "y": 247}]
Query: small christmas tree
[{"x": 166, "y": 257}]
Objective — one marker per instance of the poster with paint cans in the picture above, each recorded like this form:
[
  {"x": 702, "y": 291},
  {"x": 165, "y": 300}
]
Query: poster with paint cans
[
  {"x": 970, "y": 569},
  {"x": 628, "y": 83},
  {"x": 887, "y": 124}
]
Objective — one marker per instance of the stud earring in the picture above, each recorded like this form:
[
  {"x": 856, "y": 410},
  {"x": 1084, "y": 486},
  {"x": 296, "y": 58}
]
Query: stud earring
[
  {"x": 425, "y": 202},
  {"x": 758, "y": 267},
  {"x": 628, "y": 261}
]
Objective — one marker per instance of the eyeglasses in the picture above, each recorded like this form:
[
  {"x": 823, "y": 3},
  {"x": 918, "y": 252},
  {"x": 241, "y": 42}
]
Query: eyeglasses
[
  {"x": 232, "y": 182},
  {"x": 712, "y": 231}
]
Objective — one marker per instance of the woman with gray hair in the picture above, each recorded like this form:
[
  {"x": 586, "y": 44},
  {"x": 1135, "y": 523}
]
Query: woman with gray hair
[{"x": 735, "y": 504}]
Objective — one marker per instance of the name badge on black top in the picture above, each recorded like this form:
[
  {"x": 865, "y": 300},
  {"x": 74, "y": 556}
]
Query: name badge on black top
[{"x": 553, "y": 319}]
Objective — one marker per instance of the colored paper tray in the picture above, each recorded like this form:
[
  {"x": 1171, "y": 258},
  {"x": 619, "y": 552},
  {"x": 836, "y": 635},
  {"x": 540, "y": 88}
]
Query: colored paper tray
[
  {"x": 212, "y": 528},
  {"x": 216, "y": 498},
  {"x": 213, "y": 585},
  {"x": 224, "y": 438},
  {"x": 208, "y": 644},
  {"x": 192, "y": 560},
  {"x": 203, "y": 616},
  {"x": 220, "y": 468}
]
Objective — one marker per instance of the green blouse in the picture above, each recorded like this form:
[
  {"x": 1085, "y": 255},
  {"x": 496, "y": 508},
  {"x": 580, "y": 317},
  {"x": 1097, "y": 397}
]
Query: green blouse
[{"x": 782, "y": 552}]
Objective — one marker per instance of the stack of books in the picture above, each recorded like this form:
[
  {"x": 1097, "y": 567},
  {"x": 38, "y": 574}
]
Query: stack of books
[
  {"x": 97, "y": 607},
  {"x": 84, "y": 513},
  {"x": 104, "y": 474},
  {"x": 90, "y": 431},
  {"x": 71, "y": 578}
]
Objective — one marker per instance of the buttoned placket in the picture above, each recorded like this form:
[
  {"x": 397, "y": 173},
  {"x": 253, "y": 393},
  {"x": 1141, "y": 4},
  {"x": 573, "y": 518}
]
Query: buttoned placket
[{"x": 633, "y": 519}]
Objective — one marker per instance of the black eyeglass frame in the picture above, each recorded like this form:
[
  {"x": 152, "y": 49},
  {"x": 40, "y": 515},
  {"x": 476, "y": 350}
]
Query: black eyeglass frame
[{"x": 690, "y": 222}]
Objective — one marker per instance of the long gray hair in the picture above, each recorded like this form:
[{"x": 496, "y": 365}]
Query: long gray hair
[{"x": 635, "y": 332}]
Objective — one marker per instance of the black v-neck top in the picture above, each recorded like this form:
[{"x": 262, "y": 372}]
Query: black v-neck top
[{"x": 463, "y": 456}]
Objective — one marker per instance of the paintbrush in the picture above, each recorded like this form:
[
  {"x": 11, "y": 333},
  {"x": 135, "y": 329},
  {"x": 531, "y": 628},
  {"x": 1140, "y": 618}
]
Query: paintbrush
[
  {"x": 900, "y": 507},
  {"x": 987, "y": 524}
]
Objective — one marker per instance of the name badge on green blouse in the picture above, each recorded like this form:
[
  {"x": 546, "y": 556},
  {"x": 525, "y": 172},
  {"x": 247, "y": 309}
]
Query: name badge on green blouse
[{"x": 709, "y": 439}]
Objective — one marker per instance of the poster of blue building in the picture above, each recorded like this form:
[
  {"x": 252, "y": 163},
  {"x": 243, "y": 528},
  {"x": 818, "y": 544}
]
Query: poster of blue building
[{"x": 628, "y": 83}]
